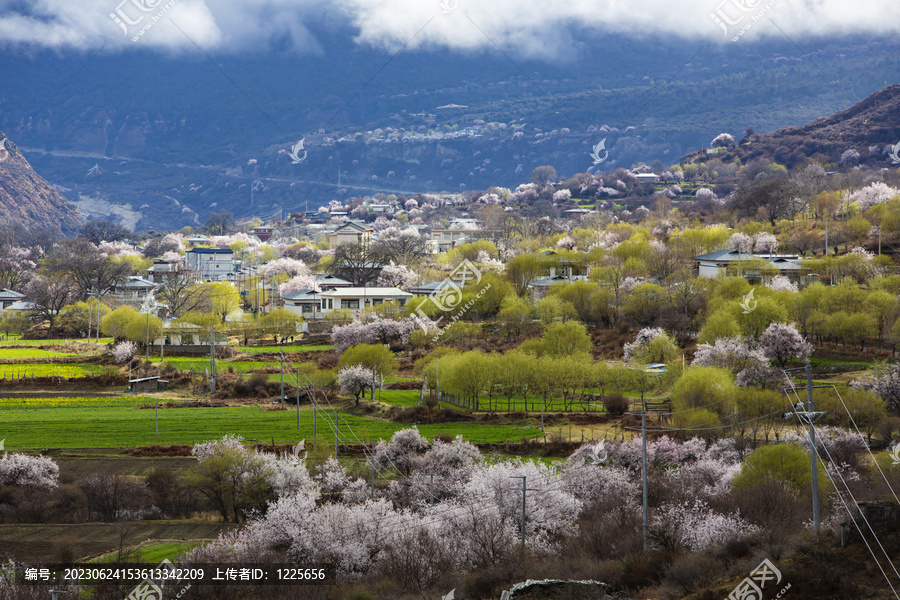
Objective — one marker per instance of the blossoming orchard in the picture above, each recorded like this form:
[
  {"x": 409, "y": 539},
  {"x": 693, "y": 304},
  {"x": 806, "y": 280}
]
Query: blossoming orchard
[{"x": 666, "y": 381}]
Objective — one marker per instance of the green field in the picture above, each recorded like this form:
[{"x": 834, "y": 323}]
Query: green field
[
  {"x": 47, "y": 370},
  {"x": 285, "y": 349},
  {"x": 199, "y": 365},
  {"x": 114, "y": 422},
  {"x": 20, "y": 353},
  {"x": 14, "y": 341}
]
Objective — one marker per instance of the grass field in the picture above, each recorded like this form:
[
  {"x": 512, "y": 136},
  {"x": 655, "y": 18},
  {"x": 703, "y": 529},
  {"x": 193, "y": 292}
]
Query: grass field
[
  {"x": 114, "y": 422},
  {"x": 14, "y": 341},
  {"x": 47, "y": 370},
  {"x": 154, "y": 551},
  {"x": 285, "y": 349},
  {"x": 20, "y": 353},
  {"x": 39, "y": 543},
  {"x": 199, "y": 365}
]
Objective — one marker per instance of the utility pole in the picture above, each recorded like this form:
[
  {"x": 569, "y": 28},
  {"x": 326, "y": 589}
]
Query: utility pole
[
  {"x": 431, "y": 491},
  {"x": 336, "y": 425},
  {"x": 90, "y": 314},
  {"x": 813, "y": 457},
  {"x": 524, "y": 491},
  {"x": 282, "y": 381},
  {"x": 373, "y": 470},
  {"x": 212, "y": 358},
  {"x": 878, "y": 227},
  {"x": 810, "y": 416},
  {"x": 298, "y": 398},
  {"x": 826, "y": 235},
  {"x": 157, "y": 418},
  {"x": 644, "y": 477}
]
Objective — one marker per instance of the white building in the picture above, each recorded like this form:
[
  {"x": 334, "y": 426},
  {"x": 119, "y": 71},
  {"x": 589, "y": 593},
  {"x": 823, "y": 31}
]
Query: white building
[
  {"x": 212, "y": 264},
  {"x": 317, "y": 305}
]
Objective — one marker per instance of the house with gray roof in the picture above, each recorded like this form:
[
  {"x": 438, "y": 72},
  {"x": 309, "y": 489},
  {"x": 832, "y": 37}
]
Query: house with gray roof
[{"x": 745, "y": 264}]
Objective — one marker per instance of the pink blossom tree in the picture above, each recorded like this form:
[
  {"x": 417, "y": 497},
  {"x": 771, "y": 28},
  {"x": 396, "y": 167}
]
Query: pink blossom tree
[
  {"x": 285, "y": 266},
  {"x": 782, "y": 342},
  {"x": 298, "y": 282},
  {"x": 735, "y": 353},
  {"x": 394, "y": 275}
]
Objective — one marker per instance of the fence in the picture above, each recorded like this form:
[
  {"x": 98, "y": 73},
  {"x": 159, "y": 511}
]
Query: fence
[{"x": 586, "y": 404}]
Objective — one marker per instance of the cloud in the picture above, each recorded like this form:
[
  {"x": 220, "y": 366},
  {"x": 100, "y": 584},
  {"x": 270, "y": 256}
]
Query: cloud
[{"x": 535, "y": 28}]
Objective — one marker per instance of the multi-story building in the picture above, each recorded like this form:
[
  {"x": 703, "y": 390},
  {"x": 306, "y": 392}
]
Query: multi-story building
[
  {"x": 212, "y": 264},
  {"x": 351, "y": 231}
]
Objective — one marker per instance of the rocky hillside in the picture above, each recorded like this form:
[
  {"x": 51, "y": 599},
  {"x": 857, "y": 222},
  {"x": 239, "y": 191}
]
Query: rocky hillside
[
  {"x": 27, "y": 198},
  {"x": 870, "y": 127}
]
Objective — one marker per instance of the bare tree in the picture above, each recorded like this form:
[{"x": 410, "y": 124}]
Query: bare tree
[
  {"x": 360, "y": 263},
  {"x": 109, "y": 496},
  {"x": 767, "y": 196},
  {"x": 543, "y": 174},
  {"x": 181, "y": 292},
  {"x": 220, "y": 223},
  {"x": 83, "y": 263},
  {"x": 104, "y": 231},
  {"x": 49, "y": 294}
]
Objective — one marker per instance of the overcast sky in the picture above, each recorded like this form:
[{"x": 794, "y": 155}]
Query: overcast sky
[{"x": 529, "y": 27}]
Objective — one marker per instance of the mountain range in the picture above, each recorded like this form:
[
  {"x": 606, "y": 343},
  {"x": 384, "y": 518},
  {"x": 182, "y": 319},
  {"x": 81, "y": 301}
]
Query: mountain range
[{"x": 159, "y": 141}]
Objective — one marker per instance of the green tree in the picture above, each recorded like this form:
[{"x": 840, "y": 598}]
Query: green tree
[
  {"x": 523, "y": 270},
  {"x": 282, "y": 323},
  {"x": 14, "y": 321},
  {"x": 551, "y": 309},
  {"x": 223, "y": 298},
  {"x": 234, "y": 481},
  {"x": 566, "y": 338},
  {"x": 705, "y": 388},
  {"x": 74, "y": 317},
  {"x": 115, "y": 324},
  {"x": 644, "y": 306},
  {"x": 660, "y": 349},
  {"x": 371, "y": 356},
  {"x": 514, "y": 315},
  {"x": 788, "y": 463}
]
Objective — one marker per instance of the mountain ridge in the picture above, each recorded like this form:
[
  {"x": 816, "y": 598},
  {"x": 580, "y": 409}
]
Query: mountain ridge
[{"x": 28, "y": 199}]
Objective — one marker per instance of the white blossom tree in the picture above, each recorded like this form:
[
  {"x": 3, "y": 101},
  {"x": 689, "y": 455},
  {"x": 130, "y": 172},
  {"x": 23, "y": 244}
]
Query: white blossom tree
[
  {"x": 22, "y": 469},
  {"x": 354, "y": 379}
]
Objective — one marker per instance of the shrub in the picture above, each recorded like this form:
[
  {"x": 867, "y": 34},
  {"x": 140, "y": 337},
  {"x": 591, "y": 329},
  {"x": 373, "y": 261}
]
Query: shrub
[{"x": 616, "y": 404}]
